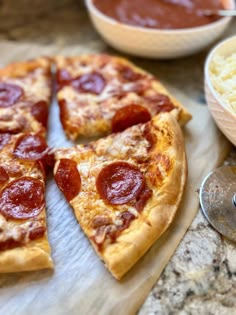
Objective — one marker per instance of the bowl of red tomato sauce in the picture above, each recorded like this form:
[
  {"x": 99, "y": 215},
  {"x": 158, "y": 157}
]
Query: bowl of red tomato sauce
[{"x": 161, "y": 29}]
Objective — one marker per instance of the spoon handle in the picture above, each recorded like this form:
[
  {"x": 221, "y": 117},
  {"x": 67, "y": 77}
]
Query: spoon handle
[{"x": 209, "y": 12}]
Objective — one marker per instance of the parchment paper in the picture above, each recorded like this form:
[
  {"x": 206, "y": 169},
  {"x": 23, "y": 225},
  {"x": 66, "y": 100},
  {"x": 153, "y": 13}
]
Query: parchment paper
[{"x": 80, "y": 284}]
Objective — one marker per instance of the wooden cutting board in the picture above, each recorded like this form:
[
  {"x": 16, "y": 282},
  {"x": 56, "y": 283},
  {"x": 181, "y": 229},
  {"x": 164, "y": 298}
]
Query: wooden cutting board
[{"x": 80, "y": 284}]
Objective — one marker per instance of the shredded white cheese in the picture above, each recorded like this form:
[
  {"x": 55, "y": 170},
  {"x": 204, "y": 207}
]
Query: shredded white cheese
[{"x": 223, "y": 78}]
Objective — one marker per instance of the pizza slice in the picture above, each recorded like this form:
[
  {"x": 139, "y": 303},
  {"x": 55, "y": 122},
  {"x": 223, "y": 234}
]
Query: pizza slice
[
  {"x": 100, "y": 94},
  {"x": 125, "y": 189},
  {"x": 23, "y": 232},
  {"x": 25, "y": 94}
]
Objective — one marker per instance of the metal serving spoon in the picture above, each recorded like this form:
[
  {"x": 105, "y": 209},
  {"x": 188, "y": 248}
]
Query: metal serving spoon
[
  {"x": 211, "y": 12},
  {"x": 218, "y": 200}
]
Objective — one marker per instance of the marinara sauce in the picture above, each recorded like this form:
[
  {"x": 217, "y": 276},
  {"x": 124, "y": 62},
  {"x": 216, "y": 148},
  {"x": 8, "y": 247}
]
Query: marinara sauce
[{"x": 160, "y": 14}]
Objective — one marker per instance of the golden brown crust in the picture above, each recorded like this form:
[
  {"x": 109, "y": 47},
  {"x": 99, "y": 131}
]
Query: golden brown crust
[
  {"x": 18, "y": 69},
  {"x": 34, "y": 256},
  {"x": 75, "y": 118},
  {"x": 157, "y": 215}
]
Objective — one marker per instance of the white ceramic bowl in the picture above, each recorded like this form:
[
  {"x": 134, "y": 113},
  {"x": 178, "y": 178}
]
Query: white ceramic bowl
[
  {"x": 157, "y": 43},
  {"x": 223, "y": 116}
]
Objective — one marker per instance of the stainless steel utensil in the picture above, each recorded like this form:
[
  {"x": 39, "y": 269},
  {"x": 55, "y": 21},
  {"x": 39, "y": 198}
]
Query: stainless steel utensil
[
  {"x": 211, "y": 12},
  {"x": 218, "y": 200}
]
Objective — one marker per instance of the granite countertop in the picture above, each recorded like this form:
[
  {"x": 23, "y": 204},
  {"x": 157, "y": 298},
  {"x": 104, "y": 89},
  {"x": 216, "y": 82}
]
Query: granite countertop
[{"x": 201, "y": 276}]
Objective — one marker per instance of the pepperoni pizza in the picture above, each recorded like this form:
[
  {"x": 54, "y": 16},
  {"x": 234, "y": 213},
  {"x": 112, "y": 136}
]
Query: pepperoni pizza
[
  {"x": 125, "y": 188},
  {"x": 100, "y": 94},
  {"x": 25, "y": 94},
  {"x": 23, "y": 232}
]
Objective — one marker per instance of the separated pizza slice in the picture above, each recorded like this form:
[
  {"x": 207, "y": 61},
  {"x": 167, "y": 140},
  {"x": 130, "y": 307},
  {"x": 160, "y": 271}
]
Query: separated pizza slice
[
  {"x": 25, "y": 94},
  {"x": 125, "y": 189},
  {"x": 23, "y": 232},
  {"x": 100, "y": 94}
]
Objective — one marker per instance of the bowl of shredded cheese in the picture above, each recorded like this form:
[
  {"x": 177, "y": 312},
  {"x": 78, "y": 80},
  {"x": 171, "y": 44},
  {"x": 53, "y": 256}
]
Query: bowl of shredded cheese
[{"x": 220, "y": 86}]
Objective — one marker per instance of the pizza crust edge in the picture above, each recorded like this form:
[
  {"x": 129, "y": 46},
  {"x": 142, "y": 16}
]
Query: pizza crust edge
[
  {"x": 32, "y": 256},
  {"x": 18, "y": 69}
]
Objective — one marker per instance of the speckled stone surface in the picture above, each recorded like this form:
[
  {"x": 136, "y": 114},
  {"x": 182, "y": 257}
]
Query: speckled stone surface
[
  {"x": 199, "y": 279},
  {"x": 201, "y": 276}
]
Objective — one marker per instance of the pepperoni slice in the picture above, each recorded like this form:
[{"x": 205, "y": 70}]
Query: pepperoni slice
[
  {"x": 4, "y": 139},
  {"x": 120, "y": 182},
  {"x": 165, "y": 104},
  {"x": 128, "y": 74},
  {"x": 89, "y": 83},
  {"x": 3, "y": 175},
  {"x": 40, "y": 111},
  {"x": 63, "y": 77},
  {"x": 9, "y": 94},
  {"x": 161, "y": 102},
  {"x": 68, "y": 178},
  {"x": 143, "y": 198},
  {"x": 126, "y": 218},
  {"x": 128, "y": 116},
  {"x": 22, "y": 198},
  {"x": 31, "y": 147},
  {"x": 37, "y": 232}
]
